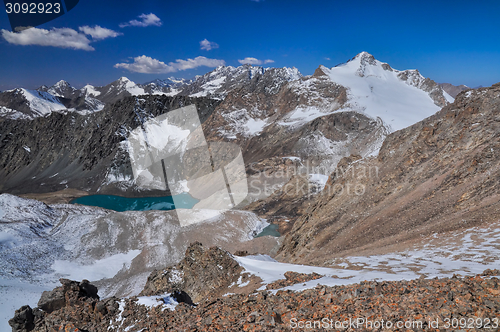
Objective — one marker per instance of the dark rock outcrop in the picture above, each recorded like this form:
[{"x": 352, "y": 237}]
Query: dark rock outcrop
[
  {"x": 24, "y": 320},
  {"x": 203, "y": 273},
  {"x": 74, "y": 306},
  {"x": 68, "y": 292}
]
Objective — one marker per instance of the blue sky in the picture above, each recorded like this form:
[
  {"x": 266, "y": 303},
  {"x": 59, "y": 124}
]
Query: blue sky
[{"x": 449, "y": 41}]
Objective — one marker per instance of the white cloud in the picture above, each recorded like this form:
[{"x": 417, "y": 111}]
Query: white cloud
[
  {"x": 208, "y": 45},
  {"x": 328, "y": 59},
  {"x": 146, "y": 20},
  {"x": 147, "y": 65},
  {"x": 99, "y": 33},
  {"x": 57, "y": 37},
  {"x": 254, "y": 61}
]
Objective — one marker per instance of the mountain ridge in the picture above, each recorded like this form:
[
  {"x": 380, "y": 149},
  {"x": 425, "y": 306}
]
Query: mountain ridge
[{"x": 215, "y": 84}]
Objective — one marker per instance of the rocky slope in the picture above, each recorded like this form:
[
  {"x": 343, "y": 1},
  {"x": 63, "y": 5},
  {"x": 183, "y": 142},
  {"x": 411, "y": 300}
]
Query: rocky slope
[
  {"x": 318, "y": 120},
  {"x": 425, "y": 304},
  {"x": 438, "y": 175},
  {"x": 61, "y": 97},
  {"x": 86, "y": 152}
]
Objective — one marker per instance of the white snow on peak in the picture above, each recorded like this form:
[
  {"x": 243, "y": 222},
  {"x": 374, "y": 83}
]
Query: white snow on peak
[
  {"x": 292, "y": 73},
  {"x": 131, "y": 87},
  {"x": 9, "y": 113},
  {"x": 210, "y": 87},
  {"x": 90, "y": 90},
  {"x": 42, "y": 103},
  {"x": 379, "y": 93},
  {"x": 219, "y": 82},
  {"x": 59, "y": 88},
  {"x": 61, "y": 83}
]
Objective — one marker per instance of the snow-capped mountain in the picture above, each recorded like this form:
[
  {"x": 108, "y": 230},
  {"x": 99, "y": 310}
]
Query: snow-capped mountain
[
  {"x": 122, "y": 87},
  {"x": 439, "y": 169},
  {"x": 373, "y": 89},
  {"x": 64, "y": 97},
  {"x": 224, "y": 79},
  {"x": 399, "y": 98},
  {"x": 169, "y": 87},
  {"x": 62, "y": 89},
  {"x": 348, "y": 109},
  {"x": 27, "y": 104},
  {"x": 22, "y": 103}
]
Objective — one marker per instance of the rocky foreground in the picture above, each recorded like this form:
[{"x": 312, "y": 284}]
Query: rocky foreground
[{"x": 209, "y": 291}]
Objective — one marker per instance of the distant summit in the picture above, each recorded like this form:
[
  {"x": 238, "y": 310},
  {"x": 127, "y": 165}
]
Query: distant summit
[
  {"x": 380, "y": 91},
  {"x": 453, "y": 90}
]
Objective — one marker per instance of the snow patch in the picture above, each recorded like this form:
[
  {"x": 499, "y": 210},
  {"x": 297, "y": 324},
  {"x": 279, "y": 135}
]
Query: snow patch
[
  {"x": 42, "y": 103},
  {"x": 100, "y": 269},
  {"x": 319, "y": 180},
  {"x": 9, "y": 113},
  {"x": 165, "y": 300},
  {"x": 243, "y": 122},
  {"x": 302, "y": 115},
  {"x": 90, "y": 91}
]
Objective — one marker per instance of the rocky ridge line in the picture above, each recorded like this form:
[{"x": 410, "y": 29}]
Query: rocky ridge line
[{"x": 76, "y": 307}]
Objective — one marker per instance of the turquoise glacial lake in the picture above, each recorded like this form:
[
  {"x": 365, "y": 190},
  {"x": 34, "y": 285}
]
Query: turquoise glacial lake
[
  {"x": 270, "y": 230},
  {"x": 120, "y": 204}
]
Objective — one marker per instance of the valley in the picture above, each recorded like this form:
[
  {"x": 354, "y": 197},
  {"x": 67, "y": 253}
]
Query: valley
[{"x": 366, "y": 174}]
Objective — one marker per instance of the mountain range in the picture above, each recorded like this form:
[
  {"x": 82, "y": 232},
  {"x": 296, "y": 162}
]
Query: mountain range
[
  {"x": 22, "y": 103},
  {"x": 25, "y": 103},
  {"x": 366, "y": 171},
  {"x": 254, "y": 107}
]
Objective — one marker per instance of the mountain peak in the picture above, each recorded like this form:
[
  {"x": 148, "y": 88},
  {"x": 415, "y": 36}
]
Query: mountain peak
[
  {"x": 364, "y": 54},
  {"x": 123, "y": 79},
  {"x": 364, "y": 59},
  {"x": 320, "y": 71},
  {"x": 61, "y": 83}
]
